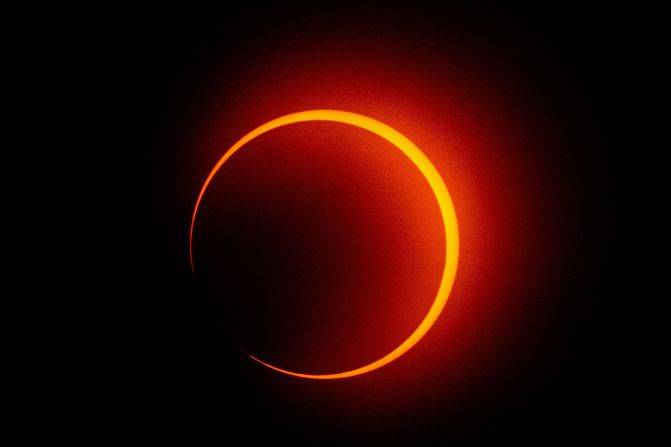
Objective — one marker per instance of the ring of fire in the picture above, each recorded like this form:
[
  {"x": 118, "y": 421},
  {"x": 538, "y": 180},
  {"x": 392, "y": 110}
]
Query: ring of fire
[{"x": 430, "y": 174}]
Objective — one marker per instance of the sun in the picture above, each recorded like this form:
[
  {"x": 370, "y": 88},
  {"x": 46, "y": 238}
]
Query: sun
[{"x": 431, "y": 175}]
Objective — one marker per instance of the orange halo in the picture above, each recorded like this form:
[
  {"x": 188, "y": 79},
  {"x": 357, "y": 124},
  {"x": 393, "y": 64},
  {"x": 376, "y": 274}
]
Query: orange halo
[{"x": 437, "y": 185}]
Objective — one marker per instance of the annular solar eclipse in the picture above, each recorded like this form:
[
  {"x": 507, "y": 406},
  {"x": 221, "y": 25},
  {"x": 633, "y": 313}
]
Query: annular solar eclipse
[{"x": 429, "y": 172}]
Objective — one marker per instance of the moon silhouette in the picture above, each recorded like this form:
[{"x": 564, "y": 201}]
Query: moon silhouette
[{"x": 430, "y": 174}]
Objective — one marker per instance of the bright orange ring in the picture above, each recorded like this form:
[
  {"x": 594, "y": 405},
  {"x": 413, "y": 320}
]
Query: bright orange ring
[{"x": 435, "y": 181}]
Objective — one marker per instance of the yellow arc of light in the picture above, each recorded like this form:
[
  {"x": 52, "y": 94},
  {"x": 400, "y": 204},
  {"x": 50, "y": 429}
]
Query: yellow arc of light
[{"x": 437, "y": 185}]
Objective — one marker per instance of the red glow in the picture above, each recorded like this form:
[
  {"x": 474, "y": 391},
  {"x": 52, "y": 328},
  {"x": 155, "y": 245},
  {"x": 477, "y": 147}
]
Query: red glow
[{"x": 466, "y": 122}]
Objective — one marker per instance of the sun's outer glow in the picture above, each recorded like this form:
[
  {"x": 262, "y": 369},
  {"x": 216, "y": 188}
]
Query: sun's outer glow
[{"x": 437, "y": 185}]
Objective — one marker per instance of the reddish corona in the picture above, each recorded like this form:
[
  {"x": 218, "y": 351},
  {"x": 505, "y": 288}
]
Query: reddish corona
[{"x": 437, "y": 186}]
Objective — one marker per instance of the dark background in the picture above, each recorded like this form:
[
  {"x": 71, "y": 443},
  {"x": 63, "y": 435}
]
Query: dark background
[{"x": 165, "y": 377}]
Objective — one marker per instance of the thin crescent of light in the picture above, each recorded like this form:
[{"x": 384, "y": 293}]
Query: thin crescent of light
[{"x": 437, "y": 185}]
